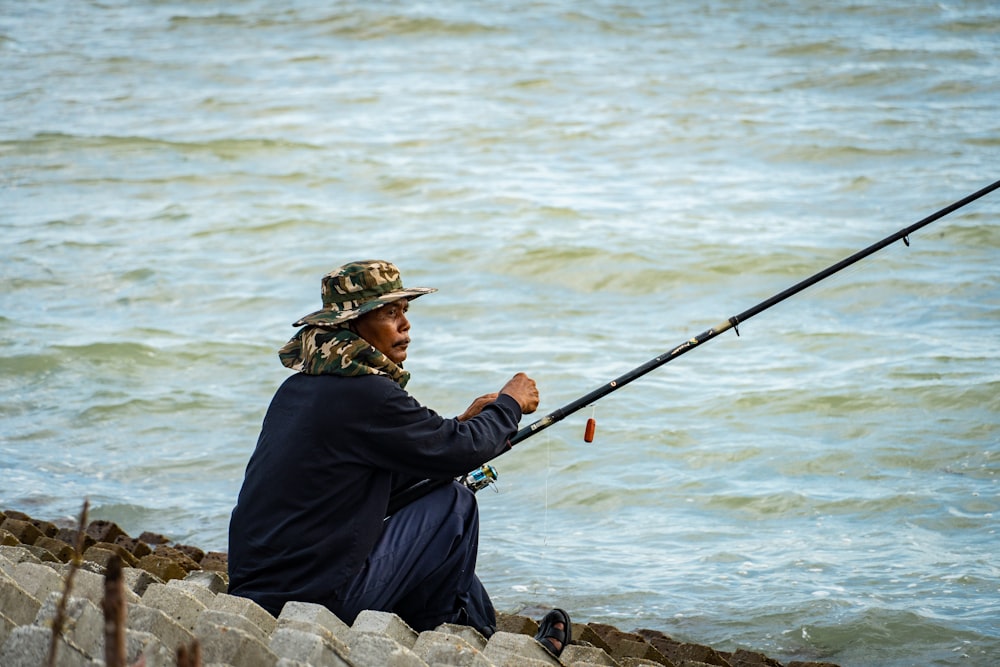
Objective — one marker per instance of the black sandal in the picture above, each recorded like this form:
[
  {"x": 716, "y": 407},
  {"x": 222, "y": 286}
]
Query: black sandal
[{"x": 547, "y": 631}]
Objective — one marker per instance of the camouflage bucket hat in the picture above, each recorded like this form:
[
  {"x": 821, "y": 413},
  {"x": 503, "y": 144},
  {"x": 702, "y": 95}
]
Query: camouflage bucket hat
[{"x": 357, "y": 288}]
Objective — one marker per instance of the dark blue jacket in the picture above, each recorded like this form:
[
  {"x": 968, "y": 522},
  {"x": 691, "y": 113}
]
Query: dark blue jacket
[{"x": 331, "y": 451}]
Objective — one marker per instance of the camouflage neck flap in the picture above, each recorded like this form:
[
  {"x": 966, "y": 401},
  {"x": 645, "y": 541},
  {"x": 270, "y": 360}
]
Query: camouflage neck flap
[{"x": 323, "y": 351}]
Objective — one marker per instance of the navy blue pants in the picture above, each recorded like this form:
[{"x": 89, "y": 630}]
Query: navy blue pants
[{"x": 423, "y": 566}]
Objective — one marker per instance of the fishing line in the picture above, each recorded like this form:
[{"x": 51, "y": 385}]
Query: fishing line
[{"x": 425, "y": 486}]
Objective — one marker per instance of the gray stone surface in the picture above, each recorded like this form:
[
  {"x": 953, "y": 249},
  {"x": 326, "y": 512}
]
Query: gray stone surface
[
  {"x": 175, "y": 602},
  {"x": 17, "y": 604},
  {"x": 369, "y": 649},
  {"x": 231, "y": 646},
  {"x": 310, "y": 617},
  {"x": 505, "y": 648},
  {"x": 141, "y": 618},
  {"x": 442, "y": 648},
  {"x": 247, "y": 608},
  {"x": 385, "y": 623},
  {"x": 28, "y": 646},
  {"x": 83, "y": 622},
  {"x": 308, "y": 648},
  {"x": 37, "y": 579}
]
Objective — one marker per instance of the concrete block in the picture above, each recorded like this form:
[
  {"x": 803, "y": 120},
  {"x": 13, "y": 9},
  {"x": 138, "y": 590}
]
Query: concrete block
[
  {"x": 64, "y": 552},
  {"x": 586, "y": 655},
  {"x": 6, "y": 627},
  {"x": 175, "y": 603},
  {"x": 231, "y": 646},
  {"x": 28, "y": 646},
  {"x": 374, "y": 650},
  {"x": 83, "y": 622},
  {"x": 138, "y": 580},
  {"x": 508, "y": 648},
  {"x": 213, "y": 581},
  {"x": 201, "y": 593},
  {"x": 308, "y": 648},
  {"x": 516, "y": 623},
  {"x": 230, "y": 620},
  {"x": 163, "y": 567},
  {"x": 247, "y": 608},
  {"x": 18, "y": 604},
  {"x": 149, "y": 648},
  {"x": 156, "y": 622},
  {"x": 22, "y": 530},
  {"x": 308, "y": 615},
  {"x": 18, "y": 554},
  {"x": 442, "y": 648},
  {"x": 90, "y": 585},
  {"x": 385, "y": 623},
  {"x": 104, "y": 531},
  {"x": 39, "y": 580},
  {"x": 468, "y": 633}
]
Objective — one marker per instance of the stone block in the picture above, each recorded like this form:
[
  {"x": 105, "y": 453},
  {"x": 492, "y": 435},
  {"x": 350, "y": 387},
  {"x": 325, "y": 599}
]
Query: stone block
[
  {"x": 230, "y": 620},
  {"x": 307, "y": 615},
  {"x": 744, "y": 658},
  {"x": 375, "y": 650},
  {"x": 192, "y": 552},
  {"x": 62, "y": 551},
  {"x": 589, "y": 655},
  {"x": 71, "y": 536},
  {"x": 682, "y": 652},
  {"x": 153, "y": 538},
  {"x": 24, "y": 531},
  {"x": 148, "y": 648},
  {"x": 216, "y": 561},
  {"x": 213, "y": 581},
  {"x": 17, "y": 604},
  {"x": 162, "y": 567},
  {"x": 128, "y": 560},
  {"x": 247, "y": 608},
  {"x": 38, "y": 580},
  {"x": 156, "y": 622},
  {"x": 138, "y": 580},
  {"x": 46, "y": 528},
  {"x": 308, "y": 648},
  {"x": 516, "y": 624},
  {"x": 442, "y": 648},
  {"x": 231, "y": 646},
  {"x": 177, "y": 556},
  {"x": 7, "y": 539},
  {"x": 201, "y": 593},
  {"x": 385, "y": 623},
  {"x": 18, "y": 554},
  {"x": 135, "y": 546},
  {"x": 6, "y": 627},
  {"x": 28, "y": 646},
  {"x": 507, "y": 647},
  {"x": 83, "y": 622},
  {"x": 175, "y": 603},
  {"x": 468, "y": 633},
  {"x": 104, "y": 531},
  {"x": 90, "y": 585}
]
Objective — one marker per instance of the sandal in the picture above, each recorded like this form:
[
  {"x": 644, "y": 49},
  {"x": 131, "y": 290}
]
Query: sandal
[{"x": 547, "y": 631}]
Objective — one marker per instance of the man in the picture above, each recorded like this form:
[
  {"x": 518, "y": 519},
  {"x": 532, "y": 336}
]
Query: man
[{"x": 340, "y": 437}]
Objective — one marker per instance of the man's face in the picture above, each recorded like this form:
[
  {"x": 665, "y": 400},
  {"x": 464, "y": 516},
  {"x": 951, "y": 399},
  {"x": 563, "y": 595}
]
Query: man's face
[{"x": 387, "y": 328}]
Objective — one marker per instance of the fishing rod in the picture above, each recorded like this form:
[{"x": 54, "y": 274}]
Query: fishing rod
[{"x": 482, "y": 477}]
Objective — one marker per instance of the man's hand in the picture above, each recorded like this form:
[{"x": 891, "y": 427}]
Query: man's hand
[
  {"x": 477, "y": 406},
  {"x": 523, "y": 390}
]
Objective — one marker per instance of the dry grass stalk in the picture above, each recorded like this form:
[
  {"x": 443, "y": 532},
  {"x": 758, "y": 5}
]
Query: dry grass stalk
[
  {"x": 60, "y": 617},
  {"x": 113, "y": 605},
  {"x": 189, "y": 656}
]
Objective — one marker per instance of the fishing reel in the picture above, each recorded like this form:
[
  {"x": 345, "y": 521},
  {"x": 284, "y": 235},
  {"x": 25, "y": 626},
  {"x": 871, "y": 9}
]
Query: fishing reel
[{"x": 479, "y": 478}]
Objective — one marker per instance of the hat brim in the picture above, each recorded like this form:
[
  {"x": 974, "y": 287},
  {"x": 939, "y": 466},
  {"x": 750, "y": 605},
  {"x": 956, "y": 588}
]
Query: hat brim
[{"x": 329, "y": 317}]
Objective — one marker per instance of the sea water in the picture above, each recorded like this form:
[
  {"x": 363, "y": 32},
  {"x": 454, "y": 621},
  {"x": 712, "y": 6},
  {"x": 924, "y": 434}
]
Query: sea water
[{"x": 588, "y": 184}]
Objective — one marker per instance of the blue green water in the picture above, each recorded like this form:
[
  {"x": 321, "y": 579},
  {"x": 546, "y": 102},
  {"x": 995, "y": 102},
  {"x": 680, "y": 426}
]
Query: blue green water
[{"x": 588, "y": 184}]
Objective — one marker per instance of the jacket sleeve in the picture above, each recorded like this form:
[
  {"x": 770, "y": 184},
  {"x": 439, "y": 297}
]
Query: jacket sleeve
[{"x": 403, "y": 436}]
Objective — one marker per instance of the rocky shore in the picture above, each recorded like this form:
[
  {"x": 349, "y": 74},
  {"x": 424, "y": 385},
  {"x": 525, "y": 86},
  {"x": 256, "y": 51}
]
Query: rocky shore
[{"x": 176, "y": 603}]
